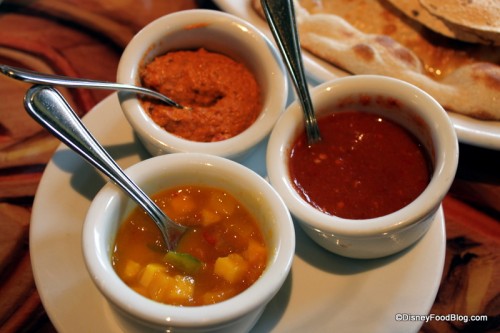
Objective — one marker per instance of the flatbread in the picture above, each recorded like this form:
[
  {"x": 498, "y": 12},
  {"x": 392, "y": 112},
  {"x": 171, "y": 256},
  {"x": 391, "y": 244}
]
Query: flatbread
[
  {"x": 467, "y": 32},
  {"x": 478, "y": 17},
  {"x": 370, "y": 37}
]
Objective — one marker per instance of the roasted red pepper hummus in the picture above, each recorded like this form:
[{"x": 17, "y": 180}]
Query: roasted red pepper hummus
[{"x": 223, "y": 94}]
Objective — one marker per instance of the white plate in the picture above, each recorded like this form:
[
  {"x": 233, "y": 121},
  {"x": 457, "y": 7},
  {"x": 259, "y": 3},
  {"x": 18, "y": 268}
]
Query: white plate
[
  {"x": 324, "y": 292},
  {"x": 469, "y": 130}
]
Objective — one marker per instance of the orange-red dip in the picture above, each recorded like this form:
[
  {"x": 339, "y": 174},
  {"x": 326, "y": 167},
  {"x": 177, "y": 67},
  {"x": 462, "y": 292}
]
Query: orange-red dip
[
  {"x": 224, "y": 95},
  {"x": 365, "y": 166}
]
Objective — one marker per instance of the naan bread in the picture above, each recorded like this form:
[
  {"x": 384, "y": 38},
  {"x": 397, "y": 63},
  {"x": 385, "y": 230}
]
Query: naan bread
[
  {"x": 467, "y": 31},
  {"x": 479, "y": 17},
  {"x": 384, "y": 43}
]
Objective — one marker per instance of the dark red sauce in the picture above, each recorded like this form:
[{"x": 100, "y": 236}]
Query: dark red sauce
[{"x": 365, "y": 166}]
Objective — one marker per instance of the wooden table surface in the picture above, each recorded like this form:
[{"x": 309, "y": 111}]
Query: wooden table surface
[{"x": 65, "y": 37}]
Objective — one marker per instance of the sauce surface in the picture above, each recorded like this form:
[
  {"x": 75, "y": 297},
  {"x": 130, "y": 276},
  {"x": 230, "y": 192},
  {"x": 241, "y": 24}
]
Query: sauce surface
[
  {"x": 365, "y": 166},
  {"x": 223, "y": 238},
  {"x": 224, "y": 96}
]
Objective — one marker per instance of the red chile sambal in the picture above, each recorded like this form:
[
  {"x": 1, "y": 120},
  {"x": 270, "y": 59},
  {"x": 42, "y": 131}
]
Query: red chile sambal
[
  {"x": 223, "y": 94},
  {"x": 365, "y": 166}
]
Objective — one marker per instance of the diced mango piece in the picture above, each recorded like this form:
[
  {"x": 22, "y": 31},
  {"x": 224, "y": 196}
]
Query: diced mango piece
[
  {"x": 182, "y": 289},
  {"x": 130, "y": 270},
  {"x": 149, "y": 273},
  {"x": 255, "y": 252},
  {"x": 209, "y": 217},
  {"x": 231, "y": 268},
  {"x": 160, "y": 285}
]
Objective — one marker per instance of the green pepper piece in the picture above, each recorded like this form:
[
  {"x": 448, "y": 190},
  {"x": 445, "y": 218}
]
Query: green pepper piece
[{"x": 183, "y": 261}]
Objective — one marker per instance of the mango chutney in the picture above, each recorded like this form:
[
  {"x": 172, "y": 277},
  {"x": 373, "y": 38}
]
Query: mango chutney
[{"x": 222, "y": 253}]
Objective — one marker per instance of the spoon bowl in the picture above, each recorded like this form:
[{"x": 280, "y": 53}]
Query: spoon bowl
[{"x": 49, "y": 108}]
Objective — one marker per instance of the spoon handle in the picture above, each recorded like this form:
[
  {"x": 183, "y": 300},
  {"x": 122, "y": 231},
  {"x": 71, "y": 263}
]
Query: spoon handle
[
  {"x": 280, "y": 16},
  {"x": 48, "y": 107},
  {"x": 74, "y": 82}
]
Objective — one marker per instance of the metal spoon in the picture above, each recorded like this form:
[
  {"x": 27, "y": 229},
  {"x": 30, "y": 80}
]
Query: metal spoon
[
  {"x": 58, "y": 80},
  {"x": 280, "y": 16},
  {"x": 48, "y": 107}
]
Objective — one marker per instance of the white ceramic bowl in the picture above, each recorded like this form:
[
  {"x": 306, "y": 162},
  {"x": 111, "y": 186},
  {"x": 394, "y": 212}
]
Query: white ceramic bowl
[
  {"x": 218, "y": 32},
  {"x": 237, "y": 314},
  {"x": 382, "y": 236}
]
